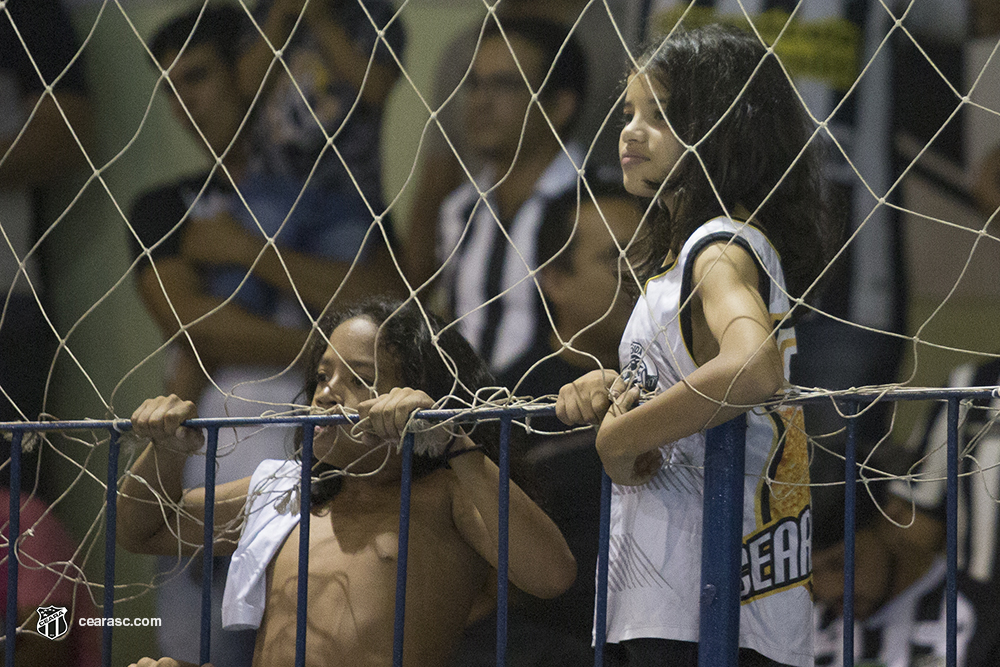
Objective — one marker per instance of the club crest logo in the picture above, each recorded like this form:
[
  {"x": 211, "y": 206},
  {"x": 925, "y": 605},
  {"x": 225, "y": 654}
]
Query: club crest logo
[
  {"x": 638, "y": 371},
  {"x": 52, "y": 622}
]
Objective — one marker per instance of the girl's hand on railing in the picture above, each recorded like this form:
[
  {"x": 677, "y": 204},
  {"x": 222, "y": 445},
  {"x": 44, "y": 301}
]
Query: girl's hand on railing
[
  {"x": 647, "y": 464},
  {"x": 586, "y": 400},
  {"x": 159, "y": 419}
]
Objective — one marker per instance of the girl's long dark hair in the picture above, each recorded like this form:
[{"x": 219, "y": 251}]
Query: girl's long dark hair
[
  {"x": 725, "y": 90},
  {"x": 405, "y": 336}
]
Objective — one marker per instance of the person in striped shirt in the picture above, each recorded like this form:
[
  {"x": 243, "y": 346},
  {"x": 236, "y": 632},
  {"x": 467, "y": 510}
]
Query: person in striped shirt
[{"x": 899, "y": 592}]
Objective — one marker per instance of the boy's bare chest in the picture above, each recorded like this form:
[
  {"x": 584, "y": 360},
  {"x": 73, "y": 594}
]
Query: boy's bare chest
[
  {"x": 341, "y": 546},
  {"x": 353, "y": 557},
  {"x": 360, "y": 545}
]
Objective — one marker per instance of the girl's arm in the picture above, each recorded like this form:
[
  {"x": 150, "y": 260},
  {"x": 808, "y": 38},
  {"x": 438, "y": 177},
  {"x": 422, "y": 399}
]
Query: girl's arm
[
  {"x": 540, "y": 562},
  {"x": 746, "y": 370},
  {"x": 154, "y": 512}
]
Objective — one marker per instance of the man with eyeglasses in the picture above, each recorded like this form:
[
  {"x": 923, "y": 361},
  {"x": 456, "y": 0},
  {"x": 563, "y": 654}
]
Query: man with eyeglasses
[{"x": 523, "y": 101}]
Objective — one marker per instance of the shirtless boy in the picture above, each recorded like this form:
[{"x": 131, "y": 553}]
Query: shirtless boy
[{"x": 354, "y": 533}]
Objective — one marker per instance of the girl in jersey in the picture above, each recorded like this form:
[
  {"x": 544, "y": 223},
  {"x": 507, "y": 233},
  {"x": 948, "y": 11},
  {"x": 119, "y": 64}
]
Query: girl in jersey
[{"x": 716, "y": 136}]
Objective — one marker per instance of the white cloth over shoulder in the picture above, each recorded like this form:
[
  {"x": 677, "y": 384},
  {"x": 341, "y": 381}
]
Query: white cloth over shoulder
[{"x": 263, "y": 534}]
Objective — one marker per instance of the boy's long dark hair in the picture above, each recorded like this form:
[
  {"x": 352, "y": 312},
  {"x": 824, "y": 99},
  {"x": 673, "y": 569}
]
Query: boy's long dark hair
[
  {"x": 750, "y": 146},
  {"x": 405, "y": 336}
]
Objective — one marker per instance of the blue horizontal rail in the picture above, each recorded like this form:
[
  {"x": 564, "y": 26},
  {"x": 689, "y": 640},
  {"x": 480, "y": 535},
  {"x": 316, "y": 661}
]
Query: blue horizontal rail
[{"x": 723, "y": 498}]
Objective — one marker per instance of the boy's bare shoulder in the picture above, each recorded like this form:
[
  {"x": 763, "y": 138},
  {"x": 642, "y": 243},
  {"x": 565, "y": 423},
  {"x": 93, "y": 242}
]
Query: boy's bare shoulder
[
  {"x": 451, "y": 503},
  {"x": 437, "y": 487}
]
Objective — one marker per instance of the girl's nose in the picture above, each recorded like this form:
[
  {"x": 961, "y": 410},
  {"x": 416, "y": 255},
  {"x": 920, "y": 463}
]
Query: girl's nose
[{"x": 631, "y": 132}]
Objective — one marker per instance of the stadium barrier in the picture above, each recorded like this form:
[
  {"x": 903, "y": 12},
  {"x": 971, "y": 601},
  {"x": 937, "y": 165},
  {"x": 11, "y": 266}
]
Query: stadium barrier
[{"x": 721, "y": 548}]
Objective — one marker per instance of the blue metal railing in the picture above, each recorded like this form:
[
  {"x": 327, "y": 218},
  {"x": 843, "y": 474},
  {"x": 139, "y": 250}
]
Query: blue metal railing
[
  {"x": 722, "y": 536},
  {"x": 724, "y": 476}
]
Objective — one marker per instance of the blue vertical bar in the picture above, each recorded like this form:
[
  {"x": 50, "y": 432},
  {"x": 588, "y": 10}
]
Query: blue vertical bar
[
  {"x": 850, "y": 495},
  {"x": 208, "y": 569},
  {"x": 111, "y": 516},
  {"x": 13, "y": 532},
  {"x": 951, "y": 538},
  {"x": 722, "y": 544},
  {"x": 503, "y": 505},
  {"x": 305, "y": 506},
  {"x": 604, "y": 541},
  {"x": 404, "y": 542}
]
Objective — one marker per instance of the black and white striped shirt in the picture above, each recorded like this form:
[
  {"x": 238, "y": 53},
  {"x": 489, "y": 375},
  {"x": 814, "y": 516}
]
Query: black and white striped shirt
[
  {"x": 979, "y": 475},
  {"x": 909, "y": 631},
  {"x": 488, "y": 262}
]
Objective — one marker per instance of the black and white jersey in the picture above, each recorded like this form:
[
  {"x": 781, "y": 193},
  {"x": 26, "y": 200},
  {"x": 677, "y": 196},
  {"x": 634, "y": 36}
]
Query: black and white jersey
[
  {"x": 979, "y": 475},
  {"x": 909, "y": 631},
  {"x": 489, "y": 263}
]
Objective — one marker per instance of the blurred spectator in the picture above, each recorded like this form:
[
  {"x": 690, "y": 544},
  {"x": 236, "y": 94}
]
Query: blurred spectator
[
  {"x": 899, "y": 592},
  {"x": 922, "y": 497},
  {"x": 205, "y": 261},
  {"x": 583, "y": 281},
  {"x": 440, "y": 171},
  {"x": 47, "y": 576},
  {"x": 486, "y": 242},
  {"x": 324, "y": 86},
  {"x": 46, "y": 151},
  {"x": 175, "y": 288}
]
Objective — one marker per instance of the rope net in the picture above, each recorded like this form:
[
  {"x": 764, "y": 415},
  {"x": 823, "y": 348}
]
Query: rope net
[{"x": 179, "y": 215}]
